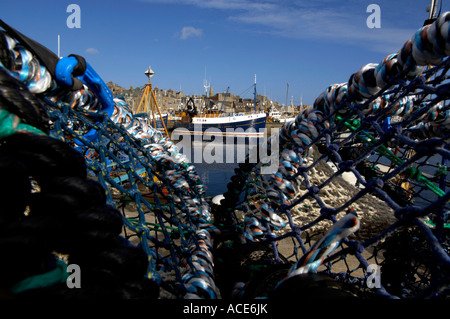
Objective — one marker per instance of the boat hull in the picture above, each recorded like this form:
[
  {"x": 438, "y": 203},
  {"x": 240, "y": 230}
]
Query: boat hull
[{"x": 243, "y": 125}]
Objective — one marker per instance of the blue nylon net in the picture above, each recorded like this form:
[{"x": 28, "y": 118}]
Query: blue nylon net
[{"x": 378, "y": 145}]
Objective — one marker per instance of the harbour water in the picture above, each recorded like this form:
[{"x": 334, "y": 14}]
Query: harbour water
[{"x": 216, "y": 175}]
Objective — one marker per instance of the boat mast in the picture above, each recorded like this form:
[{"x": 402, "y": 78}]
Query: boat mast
[
  {"x": 224, "y": 99},
  {"x": 206, "y": 85},
  {"x": 255, "y": 96},
  {"x": 59, "y": 46},
  {"x": 287, "y": 93}
]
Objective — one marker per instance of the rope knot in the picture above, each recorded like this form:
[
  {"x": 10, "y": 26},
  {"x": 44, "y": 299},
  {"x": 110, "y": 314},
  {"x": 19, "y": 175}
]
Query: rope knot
[{"x": 376, "y": 182}]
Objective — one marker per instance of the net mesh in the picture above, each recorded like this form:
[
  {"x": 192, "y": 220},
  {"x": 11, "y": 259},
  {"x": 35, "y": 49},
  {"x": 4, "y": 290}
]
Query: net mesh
[{"x": 377, "y": 145}]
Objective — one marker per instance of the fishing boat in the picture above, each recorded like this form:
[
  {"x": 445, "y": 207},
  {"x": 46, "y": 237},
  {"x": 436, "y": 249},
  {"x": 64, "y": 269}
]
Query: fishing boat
[
  {"x": 214, "y": 121},
  {"x": 274, "y": 115}
]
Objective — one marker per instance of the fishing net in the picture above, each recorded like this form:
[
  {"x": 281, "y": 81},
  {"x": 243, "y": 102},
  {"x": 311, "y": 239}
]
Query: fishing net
[
  {"x": 144, "y": 176},
  {"x": 376, "y": 147},
  {"x": 357, "y": 204}
]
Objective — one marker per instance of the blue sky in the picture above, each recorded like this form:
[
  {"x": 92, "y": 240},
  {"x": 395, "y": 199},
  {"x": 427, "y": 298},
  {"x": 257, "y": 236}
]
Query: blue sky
[{"x": 308, "y": 44}]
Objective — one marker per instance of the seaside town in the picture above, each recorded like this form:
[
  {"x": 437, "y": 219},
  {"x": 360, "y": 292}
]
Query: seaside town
[{"x": 170, "y": 101}]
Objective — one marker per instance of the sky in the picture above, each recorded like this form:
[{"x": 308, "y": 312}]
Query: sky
[{"x": 296, "y": 48}]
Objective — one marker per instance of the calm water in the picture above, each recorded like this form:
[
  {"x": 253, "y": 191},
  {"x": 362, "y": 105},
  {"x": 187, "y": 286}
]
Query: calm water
[
  {"x": 215, "y": 177},
  {"x": 216, "y": 171}
]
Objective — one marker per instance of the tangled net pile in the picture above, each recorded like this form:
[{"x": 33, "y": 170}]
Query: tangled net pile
[
  {"x": 102, "y": 189},
  {"x": 129, "y": 167},
  {"x": 376, "y": 146}
]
